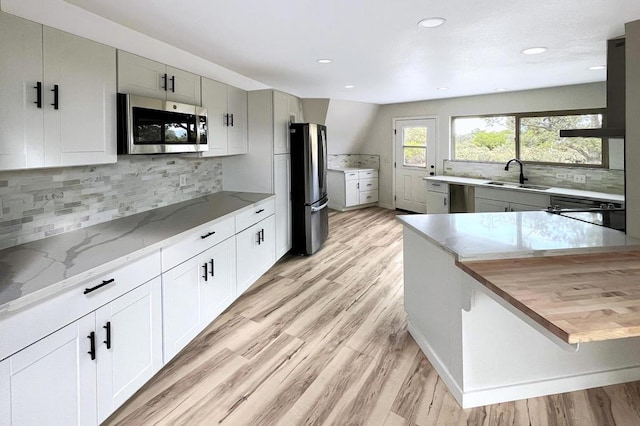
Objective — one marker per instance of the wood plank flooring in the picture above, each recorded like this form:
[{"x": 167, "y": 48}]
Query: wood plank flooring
[{"x": 322, "y": 340}]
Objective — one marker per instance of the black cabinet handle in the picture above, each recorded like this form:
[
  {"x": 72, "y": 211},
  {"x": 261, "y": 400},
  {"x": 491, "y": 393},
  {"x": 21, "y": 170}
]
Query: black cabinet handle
[
  {"x": 38, "y": 88},
  {"x": 173, "y": 83},
  {"x": 258, "y": 238},
  {"x": 261, "y": 235},
  {"x": 207, "y": 235},
  {"x": 55, "y": 96},
  {"x": 226, "y": 119},
  {"x": 108, "y": 328},
  {"x": 212, "y": 264},
  {"x": 105, "y": 282},
  {"x": 164, "y": 79},
  {"x": 231, "y": 120},
  {"x": 260, "y": 211},
  {"x": 205, "y": 271},
  {"x": 92, "y": 350}
]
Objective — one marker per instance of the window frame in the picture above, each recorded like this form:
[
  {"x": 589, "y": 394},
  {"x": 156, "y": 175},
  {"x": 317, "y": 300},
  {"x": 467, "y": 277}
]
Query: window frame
[
  {"x": 519, "y": 115},
  {"x": 414, "y": 146}
]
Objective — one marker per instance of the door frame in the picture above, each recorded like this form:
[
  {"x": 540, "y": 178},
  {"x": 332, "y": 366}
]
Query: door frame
[{"x": 394, "y": 121}]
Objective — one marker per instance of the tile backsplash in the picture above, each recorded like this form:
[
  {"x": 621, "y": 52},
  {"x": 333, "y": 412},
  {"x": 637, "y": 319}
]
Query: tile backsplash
[
  {"x": 36, "y": 204},
  {"x": 338, "y": 161},
  {"x": 596, "y": 179}
]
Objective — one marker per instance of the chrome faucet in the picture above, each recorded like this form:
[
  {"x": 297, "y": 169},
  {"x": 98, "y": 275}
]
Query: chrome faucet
[{"x": 522, "y": 178}]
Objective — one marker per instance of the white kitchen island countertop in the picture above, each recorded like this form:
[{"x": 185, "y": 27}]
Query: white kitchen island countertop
[
  {"x": 35, "y": 271},
  {"x": 482, "y": 236}
]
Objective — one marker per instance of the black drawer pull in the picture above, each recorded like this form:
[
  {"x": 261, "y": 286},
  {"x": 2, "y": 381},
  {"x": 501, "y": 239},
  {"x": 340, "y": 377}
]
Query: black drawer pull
[
  {"x": 173, "y": 83},
  {"x": 38, "y": 88},
  {"x": 212, "y": 264},
  {"x": 260, "y": 211},
  {"x": 164, "y": 79},
  {"x": 205, "y": 271},
  {"x": 105, "y": 282},
  {"x": 92, "y": 348},
  {"x": 207, "y": 235},
  {"x": 55, "y": 96},
  {"x": 108, "y": 328}
]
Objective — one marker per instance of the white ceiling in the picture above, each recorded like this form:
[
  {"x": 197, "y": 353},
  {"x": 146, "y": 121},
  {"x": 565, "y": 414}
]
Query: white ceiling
[{"x": 377, "y": 47}]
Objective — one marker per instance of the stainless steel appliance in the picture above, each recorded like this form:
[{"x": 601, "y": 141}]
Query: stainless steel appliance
[
  {"x": 610, "y": 215},
  {"x": 309, "y": 201},
  {"x": 154, "y": 126}
]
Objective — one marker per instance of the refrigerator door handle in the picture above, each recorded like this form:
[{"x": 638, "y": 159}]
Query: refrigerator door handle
[{"x": 317, "y": 209}]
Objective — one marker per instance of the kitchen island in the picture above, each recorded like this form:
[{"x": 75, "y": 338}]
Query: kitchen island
[{"x": 483, "y": 307}]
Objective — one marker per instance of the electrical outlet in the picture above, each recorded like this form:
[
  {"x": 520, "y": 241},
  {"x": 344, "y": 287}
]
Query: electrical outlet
[
  {"x": 183, "y": 180},
  {"x": 561, "y": 175},
  {"x": 580, "y": 178}
]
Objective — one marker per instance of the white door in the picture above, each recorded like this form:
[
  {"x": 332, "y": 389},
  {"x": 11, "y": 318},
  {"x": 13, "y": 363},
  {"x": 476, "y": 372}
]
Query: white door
[
  {"x": 282, "y": 189},
  {"x": 214, "y": 98},
  {"x": 415, "y": 143},
  {"x": 53, "y": 381},
  {"x": 351, "y": 192},
  {"x": 183, "y": 86},
  {"x": 141, "y": 76},
  {"x": 237, "y": 107},
  {"x": 256, "y": 252},
  {"x": 129, "y": 345},
  {"x": 218, "y": 290},
  {"x": 281, "y": 119},
  {"x": 486, "y": 206}
]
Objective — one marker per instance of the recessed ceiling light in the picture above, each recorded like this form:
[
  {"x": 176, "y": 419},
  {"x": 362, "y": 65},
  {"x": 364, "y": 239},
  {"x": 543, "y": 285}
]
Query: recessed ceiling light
[
  {"x": 534, "y": 50},
  {"x": 324, "y": 61},
  {"x": 443, "y": 88},
  {"x": 349, "y": 86},
  {"x": 597, "y": 67},
  {"x": 431, "y": 22}
]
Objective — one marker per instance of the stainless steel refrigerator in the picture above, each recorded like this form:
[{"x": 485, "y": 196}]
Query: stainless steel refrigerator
[{"x": 309, "y": 201}]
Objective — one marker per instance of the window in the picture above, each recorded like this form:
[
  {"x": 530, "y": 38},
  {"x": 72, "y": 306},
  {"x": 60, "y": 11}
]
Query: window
[
  {"x": 530, "y": 137},
  {"x": 414, "y": 146}
]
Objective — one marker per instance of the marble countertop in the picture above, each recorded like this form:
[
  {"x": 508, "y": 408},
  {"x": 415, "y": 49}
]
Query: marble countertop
[
  {"x": 34, "y": 271},
  {"x": 350, "y": 169},
  {"x": 485, "y": 236},
  {"x": 568, "y": 192}
]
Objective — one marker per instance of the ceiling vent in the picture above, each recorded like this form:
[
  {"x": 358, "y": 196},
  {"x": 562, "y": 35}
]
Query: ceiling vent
[{"x": 615, "y": 121}]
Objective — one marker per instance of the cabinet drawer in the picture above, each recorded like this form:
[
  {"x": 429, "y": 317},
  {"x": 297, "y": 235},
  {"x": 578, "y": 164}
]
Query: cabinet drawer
[
  {"x": 436, "y": 186},
  {"x": 255, "y": 214},
  {"x": 367, "y": 197},
  {"x": 350, "y": 175},
  {"x": 366, "y": 174},
  {"x": 52, "y": 314},
  {"x": 198, "y": 241},
  {"x": 368, "y": 184}
]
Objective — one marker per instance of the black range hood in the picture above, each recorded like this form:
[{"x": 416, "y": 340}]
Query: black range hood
[{"x": 615, "y": 121}]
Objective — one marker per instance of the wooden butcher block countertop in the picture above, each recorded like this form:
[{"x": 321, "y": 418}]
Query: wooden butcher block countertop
[{"x": 579, "y": 298}]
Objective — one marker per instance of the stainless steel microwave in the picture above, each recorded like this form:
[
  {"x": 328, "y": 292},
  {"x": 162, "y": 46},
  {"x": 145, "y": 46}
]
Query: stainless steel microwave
[{"x": 154, "y": 126}]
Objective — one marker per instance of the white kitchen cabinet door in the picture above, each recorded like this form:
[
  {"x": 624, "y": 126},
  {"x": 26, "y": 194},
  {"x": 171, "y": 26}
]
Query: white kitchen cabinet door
[
  {"x": 281, "y": 122},
  {"x": 21, "y": 131},
  {"x": 484, "y": 205},
  {"x": 5, "y": 392},
  {"x": 181, "y": 301},
  {"x": 237, "y": 105},
  {"x": 214, "y": 98},
  {"x": 437, "y": 202},
  {"x": 352, "y": 193},
  {"x": 183, "y": 86},
  {"x": 81, "y": 129},
  {"x": 255, "y": 248},
  {"x": 282, "y": 190},
  {"x": 53, "y": 381},
  {"x": 140, "y": 76},
  {"x": 129, "y": 345},
  {"x": 295, "y": 110},
  {"x": 219, "y": 288}
]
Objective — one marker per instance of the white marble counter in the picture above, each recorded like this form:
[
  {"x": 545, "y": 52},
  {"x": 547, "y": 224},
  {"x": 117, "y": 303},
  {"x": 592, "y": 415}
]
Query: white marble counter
[
  {"x": 568, "y": 192},
  {"x": 476, "y": 236},
  {"x": 350, "y": 169},
  {"x": 35, "y": 271}
]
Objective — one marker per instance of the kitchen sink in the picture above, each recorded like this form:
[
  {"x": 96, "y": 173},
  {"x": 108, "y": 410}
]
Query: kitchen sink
[{"x": 519, "y": 185}]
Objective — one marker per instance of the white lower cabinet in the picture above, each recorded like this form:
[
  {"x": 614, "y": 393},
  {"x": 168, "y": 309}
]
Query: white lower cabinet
[
  {"x": 505, "y": 200},
  {"x": 352, "y": 188},
  {"x": 255, "y": 252},
  {"x": 195, "y": 292},
  {"x": 282, "y": 191},
  {"x": 81, "y": 373}
]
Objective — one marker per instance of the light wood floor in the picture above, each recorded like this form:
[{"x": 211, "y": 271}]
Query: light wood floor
[{"x": 323, "y": 340}]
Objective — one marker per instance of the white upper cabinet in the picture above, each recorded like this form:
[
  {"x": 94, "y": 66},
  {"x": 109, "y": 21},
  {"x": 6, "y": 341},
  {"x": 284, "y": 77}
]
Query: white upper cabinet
[
  {"x": 58, "y": 97},
  {"x": 226, "y": 118},
  {"x": 287, "y": 109},
  {"x": 144, "y": 77}
]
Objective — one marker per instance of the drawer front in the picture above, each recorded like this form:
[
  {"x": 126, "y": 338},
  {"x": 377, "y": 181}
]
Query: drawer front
[
  {"x": 214, "y": 232},
  {"x": 367, "y": 174},
  {"x": 255, "y": 214},
  {"x": 31, "y": 324},
  {"x": 436, "y": 186},
  {"x": 351, "y": 175},
  {"x": 367, "y": 197},
  {"x": 368, "y": 184}
]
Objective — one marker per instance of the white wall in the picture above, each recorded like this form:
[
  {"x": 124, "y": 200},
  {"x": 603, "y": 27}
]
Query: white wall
[
  {"x": 315, "y": 110},
  {"x": 348, "y": 124},
  {"x": 632, "y": 139},
  {"x": 379, "y": 139}
]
